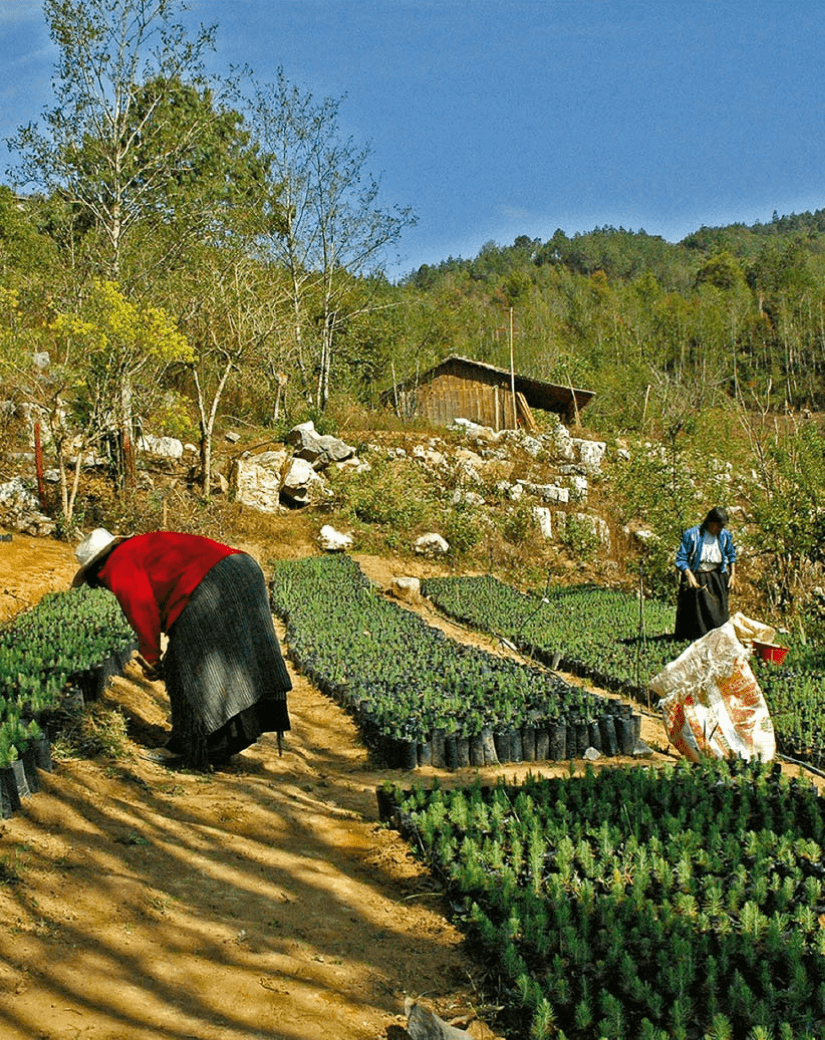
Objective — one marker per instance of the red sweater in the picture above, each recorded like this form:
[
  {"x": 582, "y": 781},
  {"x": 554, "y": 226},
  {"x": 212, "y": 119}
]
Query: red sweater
[{"x": 153, "y": 577}]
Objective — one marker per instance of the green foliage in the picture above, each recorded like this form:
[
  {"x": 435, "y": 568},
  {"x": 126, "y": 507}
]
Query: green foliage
[
  {"x": 115, "y": 334},
  {"x": 392, "y": 494},
  {"x": 612, "y": 939},
  {"x": 657, "y": 487},
  {"x": 127, "y": 142},
  {"x": 579, "y": 538},
  {"x": 463, "y": 527},
  {"x": 47, "y": 650},
  {"x": 787, "y": 507},
  {"x": 517, "y": 522},
  {"x": 115, "y": 351},
  {"x": 603, "y": 635},
  {"x": 594, "y": 632},
  {"x": 173, "y": 417}
]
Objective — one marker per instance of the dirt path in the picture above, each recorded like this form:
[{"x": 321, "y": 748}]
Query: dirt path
[{"x": 261, "y": 901}]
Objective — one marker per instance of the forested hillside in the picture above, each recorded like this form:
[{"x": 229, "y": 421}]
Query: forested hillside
[
  {"x": 726, "y": 314},
  {"x": 179, "y": 252}
]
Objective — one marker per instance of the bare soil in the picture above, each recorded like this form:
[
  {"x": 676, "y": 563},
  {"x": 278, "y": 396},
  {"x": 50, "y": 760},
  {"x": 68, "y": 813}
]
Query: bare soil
[{"x": 262, "y": 900}]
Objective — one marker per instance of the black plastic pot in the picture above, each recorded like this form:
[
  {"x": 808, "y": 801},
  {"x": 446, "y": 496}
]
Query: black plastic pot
[
  {"x": 594, "y": 735},
  {"x": 450, "y": 757},
  {"x": 21, "y": 779},
  {"x": 516, "y": 751},
  {"x": 625, "y": 734},
  {"x": 607, "y": 729},
  {"x": 582, "y": 737},
  {"x": 29, "y": 763},
  {"x": 475, "y": 751},
  {"x": 93, "y": 681},
  {"x": 437, "y": 746},
  {"x": 557, "y": 741},
  {"x": 502, "y": 742},
  {"x": 425, "y": 753},
  {"x": 387, "y": 805},
  {"x": 464, "y": 751},
  {"x": 403, "y": 754},
  {"x": 9, "y": 795},
  {"x": 42, "y": 749},
  {"x": 528, "y": 743},
  {"x": 542, "y": 744},
  {"x": 488, "y": 746}
]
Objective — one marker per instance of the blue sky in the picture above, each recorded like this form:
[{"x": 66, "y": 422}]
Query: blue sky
[{"x": 499, "y": 118}]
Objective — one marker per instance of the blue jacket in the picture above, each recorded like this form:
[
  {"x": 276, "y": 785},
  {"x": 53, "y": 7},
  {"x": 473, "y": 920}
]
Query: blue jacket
[{"x": 689, "y": 552}]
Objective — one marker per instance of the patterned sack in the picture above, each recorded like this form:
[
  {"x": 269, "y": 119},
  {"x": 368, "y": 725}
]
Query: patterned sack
[{"x": 711, "y": 701}]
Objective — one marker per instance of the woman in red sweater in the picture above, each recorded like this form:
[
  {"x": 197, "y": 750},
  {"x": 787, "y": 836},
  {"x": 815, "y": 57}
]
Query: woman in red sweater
[{"x": 224, "y": 672}]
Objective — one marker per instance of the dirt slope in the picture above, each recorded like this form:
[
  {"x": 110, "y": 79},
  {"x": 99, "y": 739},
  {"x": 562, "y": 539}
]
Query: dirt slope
[{"x": 262, "y": 901}]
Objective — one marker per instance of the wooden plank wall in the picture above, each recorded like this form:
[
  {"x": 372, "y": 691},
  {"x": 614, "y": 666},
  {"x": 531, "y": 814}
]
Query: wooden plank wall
[{"x": 448, "y": 397}]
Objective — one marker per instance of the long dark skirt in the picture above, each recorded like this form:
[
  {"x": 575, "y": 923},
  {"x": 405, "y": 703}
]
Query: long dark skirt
[
  {"x": 225, "y": 675},
  {"x": 700, "y": 610}
]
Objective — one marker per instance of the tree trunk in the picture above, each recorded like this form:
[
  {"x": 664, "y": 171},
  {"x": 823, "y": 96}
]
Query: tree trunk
[
  {"x": 207, "y": 425},
  {"x": 322, "y": 396}
]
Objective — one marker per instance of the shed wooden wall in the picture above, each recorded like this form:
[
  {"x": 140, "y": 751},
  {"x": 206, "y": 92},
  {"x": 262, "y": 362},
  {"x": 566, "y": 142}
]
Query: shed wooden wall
[{"x": 450, "y": 396}]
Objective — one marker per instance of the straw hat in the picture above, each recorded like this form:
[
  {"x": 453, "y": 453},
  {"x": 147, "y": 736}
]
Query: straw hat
[{"x": 93, "y": 548}]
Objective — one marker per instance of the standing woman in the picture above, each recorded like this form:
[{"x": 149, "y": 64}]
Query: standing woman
[
  {"x": 707, "y": 561},
  {"x": 225, "y": 676}
]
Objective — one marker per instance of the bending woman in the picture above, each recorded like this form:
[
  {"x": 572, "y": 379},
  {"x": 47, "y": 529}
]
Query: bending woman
[
  {"x": 707, "y": 561},
  {"x": 225, "y": 675}
]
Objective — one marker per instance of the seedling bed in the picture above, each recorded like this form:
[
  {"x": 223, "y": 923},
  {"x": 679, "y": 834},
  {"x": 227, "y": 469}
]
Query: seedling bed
[
  {"x": 681, "y": 902},
  {"x": 423, "y": 699}
]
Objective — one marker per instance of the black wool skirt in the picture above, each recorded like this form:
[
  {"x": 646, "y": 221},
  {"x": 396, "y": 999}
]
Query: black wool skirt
[
  {"x": 225, "y": 675},
  {"x": 700, "y": 610}
]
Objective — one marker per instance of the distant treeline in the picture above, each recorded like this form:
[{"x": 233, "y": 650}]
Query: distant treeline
[{"x": 730, "y": 312}]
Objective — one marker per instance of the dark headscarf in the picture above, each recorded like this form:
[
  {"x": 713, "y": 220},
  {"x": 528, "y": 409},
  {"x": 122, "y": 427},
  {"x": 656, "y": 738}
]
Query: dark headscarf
[{"x": 717, "y": 515}]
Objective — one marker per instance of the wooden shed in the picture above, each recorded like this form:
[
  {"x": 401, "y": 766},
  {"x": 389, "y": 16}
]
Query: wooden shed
[{"x": 460, "y": 388}]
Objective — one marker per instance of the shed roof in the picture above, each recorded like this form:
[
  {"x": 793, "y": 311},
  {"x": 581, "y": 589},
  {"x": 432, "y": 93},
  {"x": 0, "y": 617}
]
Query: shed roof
[{"x": 550, "y": 397}]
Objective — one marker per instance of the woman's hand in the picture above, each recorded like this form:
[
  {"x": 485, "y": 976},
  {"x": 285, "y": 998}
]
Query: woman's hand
[
  {"x": 691, "y": 580},
  {"x": 152, "y": 671}
]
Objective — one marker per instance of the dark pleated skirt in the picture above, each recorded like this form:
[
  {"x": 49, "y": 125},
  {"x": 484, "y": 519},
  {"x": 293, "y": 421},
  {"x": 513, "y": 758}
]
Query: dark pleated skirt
[
  {"x": 225, "y": 676},
  {"x": 700, "y": 610}
]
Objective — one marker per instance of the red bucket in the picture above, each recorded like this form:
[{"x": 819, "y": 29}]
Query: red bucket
[{"x": 770, "y": 651}]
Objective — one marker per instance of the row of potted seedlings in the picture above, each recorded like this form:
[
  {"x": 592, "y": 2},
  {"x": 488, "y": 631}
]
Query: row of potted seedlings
[
  {"x": 422, "y": 699},
  {"x": 613, "y": 638},
  {"x": 68, "y": 643},
  {"x": 620, "y": 643}
]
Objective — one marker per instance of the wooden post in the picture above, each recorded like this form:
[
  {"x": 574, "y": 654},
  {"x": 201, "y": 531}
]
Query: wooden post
[
  {"x": 575, "y": 402},
  {"x": 513, "y": 373}
]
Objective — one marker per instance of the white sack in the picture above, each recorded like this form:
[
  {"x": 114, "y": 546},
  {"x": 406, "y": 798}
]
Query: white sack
[{"x": 711, "y": 701}]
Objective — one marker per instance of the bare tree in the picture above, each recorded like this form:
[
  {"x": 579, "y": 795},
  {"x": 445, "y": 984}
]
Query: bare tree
[
  {"x": 327, "y": 229},
  {"x": 108, "y": 146}
]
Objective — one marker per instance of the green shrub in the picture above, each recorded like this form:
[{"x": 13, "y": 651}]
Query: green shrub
[
  {"x": 580, "y": 539},
  {"x": 517, "y": 523},
  {"x": 635, "y": 903},
  {"x": 463, "y": 527},
  {"x": 394, "y": 493}
]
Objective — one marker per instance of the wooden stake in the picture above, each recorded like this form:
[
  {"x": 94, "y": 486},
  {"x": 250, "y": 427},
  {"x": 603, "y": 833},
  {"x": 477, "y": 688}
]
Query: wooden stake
[{"x": 513, "y": 374}]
